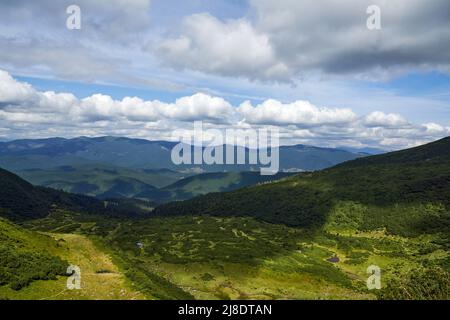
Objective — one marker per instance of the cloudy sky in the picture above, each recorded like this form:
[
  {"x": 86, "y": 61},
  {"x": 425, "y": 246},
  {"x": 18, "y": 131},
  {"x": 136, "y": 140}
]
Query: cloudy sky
[{"x": 144, "y": 68}]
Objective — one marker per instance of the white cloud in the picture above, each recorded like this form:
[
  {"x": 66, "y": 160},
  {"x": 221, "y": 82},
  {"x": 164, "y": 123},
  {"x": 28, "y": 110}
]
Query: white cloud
[
  {"x": 17, "y": 97},
  {"x": 198, "y": 106},
  {"x": 301, "y": 113},
  {"x": 230, "y": 48},
  {"x": 434, "y": 128},
  {"x": 381, "y": 119},
  {"x": 271, "y": 40},
  {"x": 13, "y": 91},
  {"x": 28, "y": 113}
]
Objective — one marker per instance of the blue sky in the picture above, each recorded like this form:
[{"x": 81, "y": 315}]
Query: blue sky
[{"x": 287, "y": 63}]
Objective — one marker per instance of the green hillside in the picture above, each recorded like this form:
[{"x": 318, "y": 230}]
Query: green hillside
[
  {"x": 97, "y": 178},
  {"x": 209, "y": 257},
  {"x": 204, "y": 183},
  {"x": 34, "y": 265},
  {"x": 105, "y": 182},
  {"x": 392, "y": 190},
  {"x": 243, "y": 258},
  {"x": 26, "y": 256},
  {"x": 20, "y": 200}
]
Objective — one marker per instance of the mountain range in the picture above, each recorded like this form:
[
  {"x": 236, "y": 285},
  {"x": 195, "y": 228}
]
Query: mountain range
[{"x": 108, "y": 167}]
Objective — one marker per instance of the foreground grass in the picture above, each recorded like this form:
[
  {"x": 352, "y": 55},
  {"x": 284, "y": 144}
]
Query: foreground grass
[
  {"x": 100, "y": 277},
  {"x": 206, "y": 257}
]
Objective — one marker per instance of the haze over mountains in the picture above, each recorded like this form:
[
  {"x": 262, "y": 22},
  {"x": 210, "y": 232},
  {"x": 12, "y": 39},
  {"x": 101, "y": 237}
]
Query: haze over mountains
[
  {"x": 145, "y": 154},
  {"x": 117, "y": 167}
]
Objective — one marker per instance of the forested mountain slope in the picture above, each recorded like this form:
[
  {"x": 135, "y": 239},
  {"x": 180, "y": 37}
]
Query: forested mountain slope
[{"x": 392, "y": 190}]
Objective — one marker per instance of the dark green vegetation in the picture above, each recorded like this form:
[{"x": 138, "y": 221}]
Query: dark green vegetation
[
  {"x": 19, "y": 200},
  {"x": 209, "y": 182},
  {"x": 102, "y": 181},
  {"x": 106, "y": 182},
  {"x": 394, "y": 191},
  {"x": 420, "y": 284},
  {"x": 24, "y": 257}
]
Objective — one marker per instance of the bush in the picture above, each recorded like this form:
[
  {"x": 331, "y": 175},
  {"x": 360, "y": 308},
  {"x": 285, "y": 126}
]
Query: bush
[
  {"x": 419, "y": 284},
  {"x": 19, "y": 268}
]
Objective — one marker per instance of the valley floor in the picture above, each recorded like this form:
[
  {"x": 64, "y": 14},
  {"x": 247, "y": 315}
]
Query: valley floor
[{"x": 205, "y": 257}]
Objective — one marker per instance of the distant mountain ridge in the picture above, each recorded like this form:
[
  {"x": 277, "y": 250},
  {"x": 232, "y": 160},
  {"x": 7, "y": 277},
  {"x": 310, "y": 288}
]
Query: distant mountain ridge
[
  {"x": 144, "y": 154},
  {"x": 120, "y": 167}
]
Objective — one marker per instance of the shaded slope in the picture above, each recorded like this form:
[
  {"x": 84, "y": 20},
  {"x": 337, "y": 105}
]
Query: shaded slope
[
  {"x": 204, "y": 183},
  {"x": 19, "y": 200},
  {"x": 416, "y": 176},
  {"x": 100, "y": 176}
]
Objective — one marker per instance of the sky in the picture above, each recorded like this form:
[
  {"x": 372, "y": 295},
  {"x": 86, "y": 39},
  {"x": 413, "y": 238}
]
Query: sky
[{"x": 147, "y": 68}]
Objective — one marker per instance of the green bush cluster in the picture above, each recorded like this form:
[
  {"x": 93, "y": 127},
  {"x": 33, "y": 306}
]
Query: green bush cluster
[
  {"x": 418, "y": 284},
  {"x": 19, "y": 268}
]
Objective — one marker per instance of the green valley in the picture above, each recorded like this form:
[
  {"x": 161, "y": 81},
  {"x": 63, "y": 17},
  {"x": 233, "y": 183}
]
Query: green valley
[{"x": 306, "y": 236}]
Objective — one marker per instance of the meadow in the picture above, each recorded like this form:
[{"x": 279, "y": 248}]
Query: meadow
[{"x": 208, "y": 257}]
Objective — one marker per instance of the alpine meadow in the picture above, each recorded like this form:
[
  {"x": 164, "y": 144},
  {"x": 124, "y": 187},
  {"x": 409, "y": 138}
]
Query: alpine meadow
[{"x": 254, "y": 155}]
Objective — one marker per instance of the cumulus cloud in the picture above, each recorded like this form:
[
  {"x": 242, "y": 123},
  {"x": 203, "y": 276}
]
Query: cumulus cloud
[
  {"x": 300, "y": 113},
  {"x": 28, "y": 113},
  {"x": 381, "y": 119},
  {"x": 434, "y": 128},
  {"x": 21, "y": 102},
  {"x": 198, "y": 107},
  {"x": 13, "y": 91},
  {"x": 230, "y": 48}
]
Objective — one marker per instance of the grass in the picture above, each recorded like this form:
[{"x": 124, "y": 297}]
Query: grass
[
  {"x": 210, "y": 257},
  {"x": 247, "y": 259},
  {"x": 95, "y": 283}
]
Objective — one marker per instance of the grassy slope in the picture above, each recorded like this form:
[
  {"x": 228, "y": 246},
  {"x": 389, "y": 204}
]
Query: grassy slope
[
  {"x": 98, "y": 228},
  {"x": 77, "y": 250},
  {"x": 234, "y": 258},
  {"x": 26, "y": 256}
]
